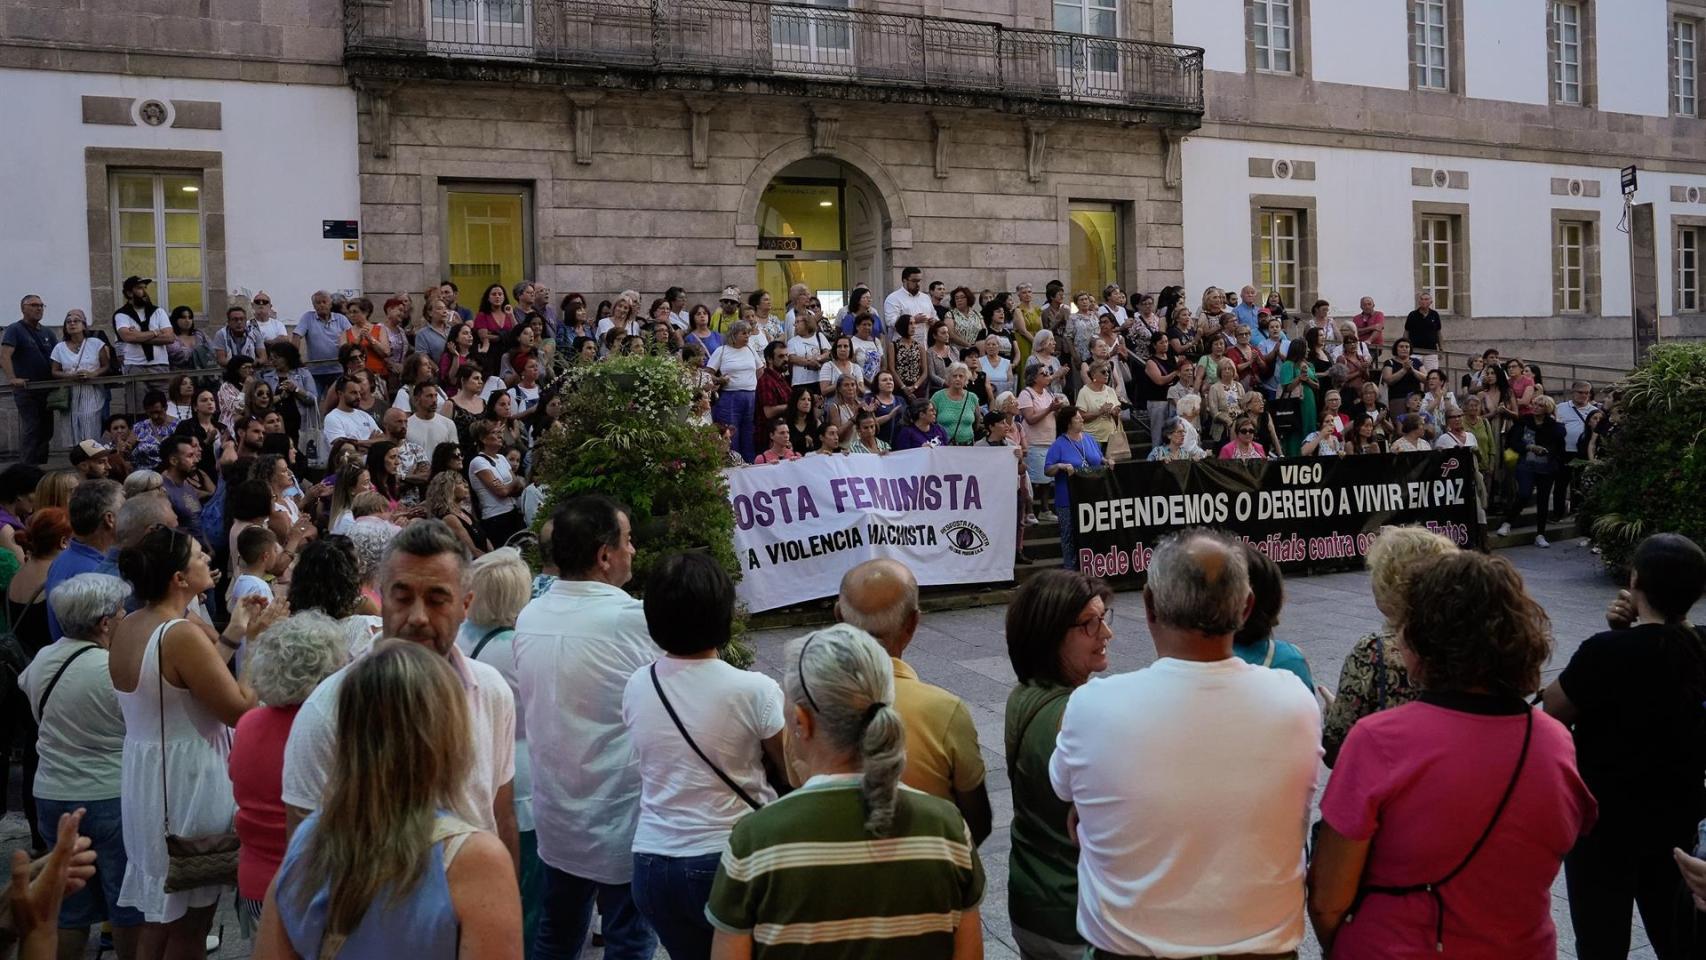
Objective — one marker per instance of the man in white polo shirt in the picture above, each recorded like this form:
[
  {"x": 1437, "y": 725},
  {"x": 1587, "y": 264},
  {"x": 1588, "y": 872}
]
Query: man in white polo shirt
[
  {"x": 423, "y": 600},
  {"x": 1191, "y": 820},
  {"x": 909, "y": 301},
  {"x": 576, "y": 647}
]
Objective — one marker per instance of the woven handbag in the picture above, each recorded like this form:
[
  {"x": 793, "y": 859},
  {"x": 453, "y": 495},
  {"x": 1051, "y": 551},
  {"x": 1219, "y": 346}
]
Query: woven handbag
[{"x": 191, "y": 862}]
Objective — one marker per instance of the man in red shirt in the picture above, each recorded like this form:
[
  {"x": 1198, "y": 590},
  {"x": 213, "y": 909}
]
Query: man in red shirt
[
  {"x": 774, "y": 392},
  {"x": 1371, "y": 327}
]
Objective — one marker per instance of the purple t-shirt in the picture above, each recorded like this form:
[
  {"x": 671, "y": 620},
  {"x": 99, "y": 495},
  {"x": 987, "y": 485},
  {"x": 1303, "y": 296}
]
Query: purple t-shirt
[{"x": 1421, "y": 781}]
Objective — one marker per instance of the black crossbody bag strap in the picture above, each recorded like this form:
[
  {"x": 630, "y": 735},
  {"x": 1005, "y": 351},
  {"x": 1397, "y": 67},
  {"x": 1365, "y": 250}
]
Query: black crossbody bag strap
[
  {"x": 41, "y": 705},
  {"x": 729, "y": 781},
  {"x": 1432, "y": 889},
  {"x": 485, "y": 640}
]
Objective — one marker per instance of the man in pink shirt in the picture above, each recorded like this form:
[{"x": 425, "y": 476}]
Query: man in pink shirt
[{"x": 1371, "y": 327}]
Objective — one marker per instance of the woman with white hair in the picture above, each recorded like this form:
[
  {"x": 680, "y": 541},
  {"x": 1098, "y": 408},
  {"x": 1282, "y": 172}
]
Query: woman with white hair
[
  {"x": 285, "y": 663},
  {"x": 80, "y": 740},
  {"x": 956, "y": 407},
  {"x": 923, "y": 882},
  {"x": 501, "y": 584}
]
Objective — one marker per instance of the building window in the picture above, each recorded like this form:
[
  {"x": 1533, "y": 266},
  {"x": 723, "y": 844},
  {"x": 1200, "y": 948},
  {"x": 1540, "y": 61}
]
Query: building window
[
  {"x": 1684, "y": 70},
  {"x": 1274, "y": 33},
  {"x": 1575, "y": 261},
  {"x": 1095, "y": 18},
  {"x": 1566, "y": 52},
  {"x": 1572, "y": 274},
  {"x": 1279, "y": 249},
  {"x": 1429, "y": 49},
  {"x": 157, "y": 232},
  {"x": 1095, "y": 245},
  {"x": 1688, "y": 268},
  {"x": 1438, "y": 260},
  {"x": 482, "y": 26},
  {"x": 487, "y": 235}
]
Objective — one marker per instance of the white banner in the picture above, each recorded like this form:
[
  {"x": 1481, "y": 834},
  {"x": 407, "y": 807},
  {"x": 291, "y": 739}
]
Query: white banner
[{"x": 948, "y": 513}]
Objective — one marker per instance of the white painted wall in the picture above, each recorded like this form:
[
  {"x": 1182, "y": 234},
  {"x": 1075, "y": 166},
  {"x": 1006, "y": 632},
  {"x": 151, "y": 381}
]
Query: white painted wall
[
  {"x": 1215, "y": 25},
  {"x": 1505, "y": 53},
  {"x": 289, "y": 162},
  {"x": 1364, "y": 227},
  {"x": 1634, "y": 57},
  {"x": 1360, "y": 42}
]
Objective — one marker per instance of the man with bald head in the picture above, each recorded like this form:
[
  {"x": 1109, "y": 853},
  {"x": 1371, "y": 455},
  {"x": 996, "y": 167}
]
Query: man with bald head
[
  {"x": 1190, "y": 779},
  {"x": 880, "y": 597}
]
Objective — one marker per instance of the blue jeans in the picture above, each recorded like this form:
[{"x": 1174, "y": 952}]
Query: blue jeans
[
  {"x": 671, "y": 893},
  {"x": 103, "y": 824},
  {"x": 568, "y": 915}
]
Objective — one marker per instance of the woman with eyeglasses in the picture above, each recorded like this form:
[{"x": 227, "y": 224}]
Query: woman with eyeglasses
[
  {"x": 1058, "y": 630},
  {"x": 766, "y": 901},
  {"x": 1243, "y": 445}
]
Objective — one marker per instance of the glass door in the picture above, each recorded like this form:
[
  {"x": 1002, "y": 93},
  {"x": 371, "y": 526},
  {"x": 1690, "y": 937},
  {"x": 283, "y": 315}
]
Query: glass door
[
  {"x": 482, "y": 26},
  {"x": 813, "y": 38},
  {"x": 802, "y": 238},
  {"x": 487, "y": 236}
]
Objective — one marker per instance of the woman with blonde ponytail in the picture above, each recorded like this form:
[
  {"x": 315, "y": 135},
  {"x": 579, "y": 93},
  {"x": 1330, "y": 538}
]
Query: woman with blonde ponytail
[
  {"x": 387, "y": 868},
  {"x": 802, "y": 875}
]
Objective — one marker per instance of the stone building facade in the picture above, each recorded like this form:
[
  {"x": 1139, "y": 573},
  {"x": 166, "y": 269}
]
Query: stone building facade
[{"x": 764, "y": 144}]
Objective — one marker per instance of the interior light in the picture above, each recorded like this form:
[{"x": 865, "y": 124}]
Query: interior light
[
  {"x": 826, "y": 203},
  {"x": 190, "y": 189}
]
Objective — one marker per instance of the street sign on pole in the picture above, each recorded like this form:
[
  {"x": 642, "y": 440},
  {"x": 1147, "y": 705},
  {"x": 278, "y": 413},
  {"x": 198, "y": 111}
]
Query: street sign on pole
[{"x": 1628, "y": 180}]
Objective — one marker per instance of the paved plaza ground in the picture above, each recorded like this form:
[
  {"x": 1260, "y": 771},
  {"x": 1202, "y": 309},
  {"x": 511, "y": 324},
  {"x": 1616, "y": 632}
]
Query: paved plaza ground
[{"x": 965, "y": 651}]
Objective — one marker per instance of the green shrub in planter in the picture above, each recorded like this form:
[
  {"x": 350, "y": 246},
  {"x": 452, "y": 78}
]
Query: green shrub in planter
[
  {"x": 1651, "y": 476},
  {"x": 624, "y": 433}
]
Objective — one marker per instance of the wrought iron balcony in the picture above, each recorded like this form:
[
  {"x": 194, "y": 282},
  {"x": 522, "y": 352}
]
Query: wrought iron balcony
[{"x": 900, "y": 53}]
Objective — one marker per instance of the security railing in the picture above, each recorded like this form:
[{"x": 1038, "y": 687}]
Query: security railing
[{"x": 788, "y": 40}]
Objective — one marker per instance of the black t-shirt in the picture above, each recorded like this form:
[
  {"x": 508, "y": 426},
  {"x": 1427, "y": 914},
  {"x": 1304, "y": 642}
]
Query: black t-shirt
[
  {"x": 1409, "y": 382},
  {"x": 1423, "y": 330},
  {"x": 1641, "y": 733}
]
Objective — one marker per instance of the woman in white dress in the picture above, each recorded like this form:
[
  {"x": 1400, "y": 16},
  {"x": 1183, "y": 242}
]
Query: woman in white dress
[
  {"x": 78, "y": 358},
  {"x": 180, "y": 700}
]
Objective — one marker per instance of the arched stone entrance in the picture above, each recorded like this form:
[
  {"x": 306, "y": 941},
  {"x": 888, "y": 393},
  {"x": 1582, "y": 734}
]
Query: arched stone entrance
[{"x": 829, "y": 219}]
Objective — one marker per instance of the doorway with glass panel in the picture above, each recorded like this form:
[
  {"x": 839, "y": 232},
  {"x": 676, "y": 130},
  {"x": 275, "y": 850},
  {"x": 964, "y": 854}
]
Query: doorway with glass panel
[
  {"x": 820, "y": 225},
  {"x": 488, "y": 230}
]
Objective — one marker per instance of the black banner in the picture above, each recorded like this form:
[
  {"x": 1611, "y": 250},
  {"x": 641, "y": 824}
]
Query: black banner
[{"x": 1308, "y": 514}]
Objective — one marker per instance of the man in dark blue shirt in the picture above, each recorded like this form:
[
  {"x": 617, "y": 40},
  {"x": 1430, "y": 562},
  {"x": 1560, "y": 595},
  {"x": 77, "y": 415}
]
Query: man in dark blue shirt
[{"x": 25, "y": 354}]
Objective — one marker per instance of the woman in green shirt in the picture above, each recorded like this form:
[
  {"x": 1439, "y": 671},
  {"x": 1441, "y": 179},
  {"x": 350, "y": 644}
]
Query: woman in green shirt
[
  {"x": 956, "y": 407},
  {"x": 1057, "y": 638}
]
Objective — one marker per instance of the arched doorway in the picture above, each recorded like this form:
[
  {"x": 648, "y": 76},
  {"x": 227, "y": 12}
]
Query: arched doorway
[{"x": 821, "y": 223}]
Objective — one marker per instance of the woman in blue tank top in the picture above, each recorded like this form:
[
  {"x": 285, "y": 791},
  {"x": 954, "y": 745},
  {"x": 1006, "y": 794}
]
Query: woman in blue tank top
[{"x": 385, "y": 868}]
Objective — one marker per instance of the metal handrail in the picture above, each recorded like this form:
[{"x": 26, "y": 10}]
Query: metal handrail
[
  {"x": 1558, "y": 373},
  {"x": 795, "y": 40}
]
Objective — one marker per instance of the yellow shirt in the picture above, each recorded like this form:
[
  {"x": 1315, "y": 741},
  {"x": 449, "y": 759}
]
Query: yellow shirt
[{"x": 942, "y": 756}]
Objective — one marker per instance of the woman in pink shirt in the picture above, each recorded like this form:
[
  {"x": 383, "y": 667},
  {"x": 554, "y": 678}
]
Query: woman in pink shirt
[
  {"x": 285, "y": 664},
  {"x": 1446, "y": 820}
]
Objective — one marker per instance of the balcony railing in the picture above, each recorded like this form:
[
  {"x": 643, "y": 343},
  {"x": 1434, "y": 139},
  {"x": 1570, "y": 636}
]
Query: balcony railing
[{"x": 788, "y": 40}]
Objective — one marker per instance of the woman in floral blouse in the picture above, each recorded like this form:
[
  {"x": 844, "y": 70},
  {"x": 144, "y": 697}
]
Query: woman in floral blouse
[{"x": 1373, "y": 677}]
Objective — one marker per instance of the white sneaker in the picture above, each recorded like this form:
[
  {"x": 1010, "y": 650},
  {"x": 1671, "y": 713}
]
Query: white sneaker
[
  {"x": 1047, "y": 516},
  {"x": 1030, "y": 520},
  {"x": 212, "y": 943},
  {"x": 1541, "y": 542},
  {"x": 1503, "y": 531}
]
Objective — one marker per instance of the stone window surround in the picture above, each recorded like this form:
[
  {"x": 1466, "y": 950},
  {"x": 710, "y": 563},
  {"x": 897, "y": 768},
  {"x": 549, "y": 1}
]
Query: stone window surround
[
  {"x": 1454, "y": 55},
  {"x": 99, "y": 164},
  {"x": 1460, "y": 262},
  {"x": 1591, "y": 254},
  {"x": 435, "y": 175},
  {"x": 1677, "y": 224},
  {"x": 1125, "y": 203},
  {"x": 1300, "y": 45},
  {"x": 1308, "y": 277},
  {"x": 1588, "y": 33},
  {"x": 1695, "y": 14}
]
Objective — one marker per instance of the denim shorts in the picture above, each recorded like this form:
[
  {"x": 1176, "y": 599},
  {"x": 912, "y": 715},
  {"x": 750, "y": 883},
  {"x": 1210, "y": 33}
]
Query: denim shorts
[{"x": 103, "y": 824}]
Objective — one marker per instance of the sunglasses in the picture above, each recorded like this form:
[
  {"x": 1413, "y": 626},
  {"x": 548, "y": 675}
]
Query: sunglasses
[
  {"x": 1246, "y": 432},
  {"x": 263, "y": 303}
]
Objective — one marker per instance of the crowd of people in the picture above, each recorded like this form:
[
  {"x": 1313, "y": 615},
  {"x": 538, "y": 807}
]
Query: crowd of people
[
  {"x": 520, "y": 753},
  {"x": 306, "y": 537}
]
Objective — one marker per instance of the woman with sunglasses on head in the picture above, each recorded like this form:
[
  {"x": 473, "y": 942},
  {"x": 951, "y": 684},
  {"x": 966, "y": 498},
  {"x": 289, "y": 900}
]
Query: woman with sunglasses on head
[{"x": 838, "y": 703}]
